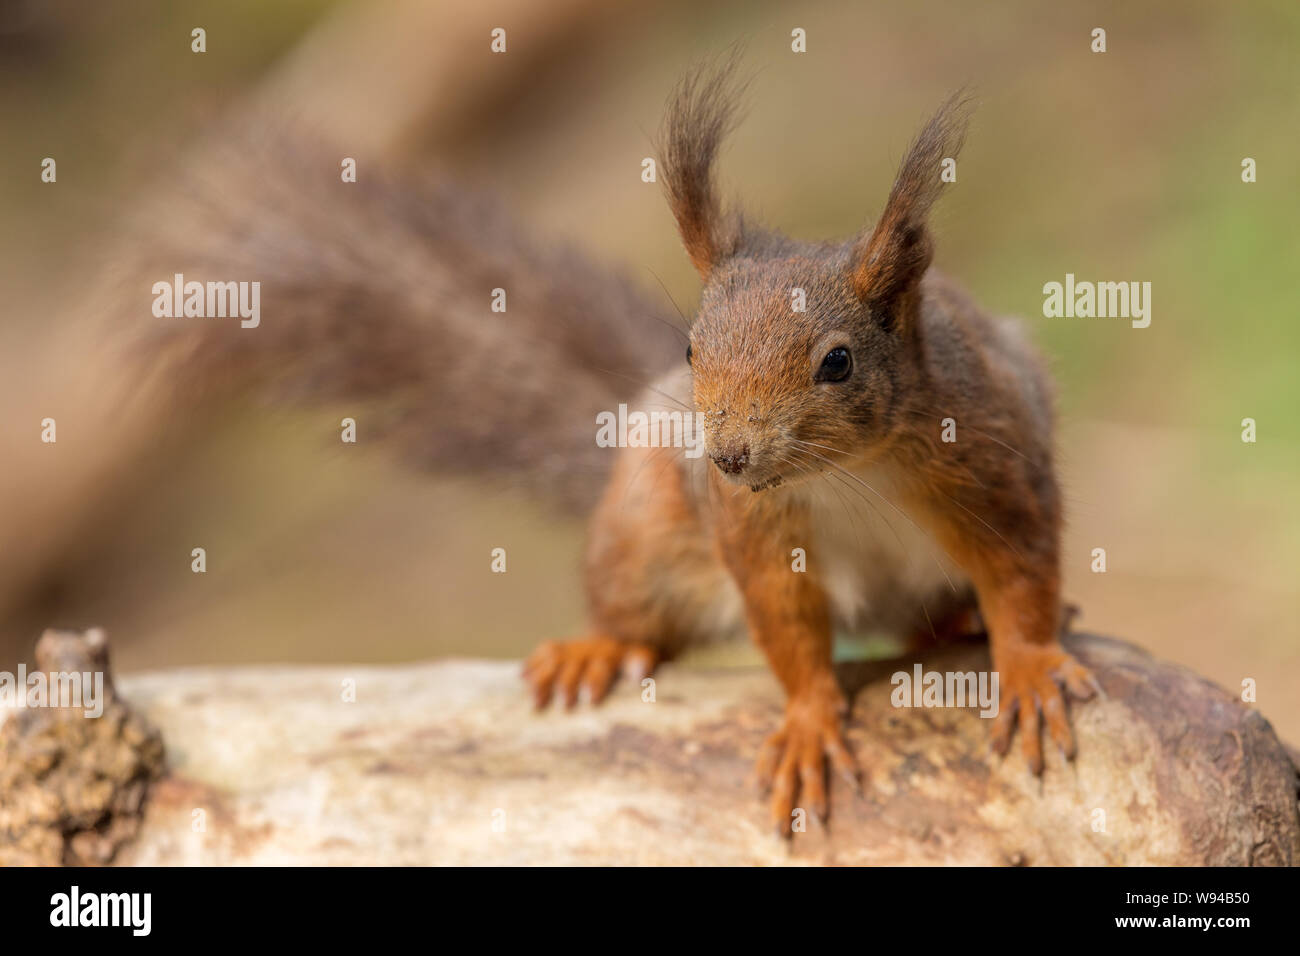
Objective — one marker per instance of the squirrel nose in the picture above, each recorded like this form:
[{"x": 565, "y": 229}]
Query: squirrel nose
[{"x": 732, "y": 461}]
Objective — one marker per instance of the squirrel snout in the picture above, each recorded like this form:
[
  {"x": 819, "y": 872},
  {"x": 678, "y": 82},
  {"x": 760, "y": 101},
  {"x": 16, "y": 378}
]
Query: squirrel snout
[{"x": 731, "y": 460}]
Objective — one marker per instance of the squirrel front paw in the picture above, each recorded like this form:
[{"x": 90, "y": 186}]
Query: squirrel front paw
[
  {"x": 590, "y": 665},
  {"x": 792, "y": 765},
  {"x": 1031, "y": 678}
]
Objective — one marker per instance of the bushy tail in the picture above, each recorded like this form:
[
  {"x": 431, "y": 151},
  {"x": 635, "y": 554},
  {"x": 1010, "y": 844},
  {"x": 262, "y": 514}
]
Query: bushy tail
[{"x": 379, "y": 293}]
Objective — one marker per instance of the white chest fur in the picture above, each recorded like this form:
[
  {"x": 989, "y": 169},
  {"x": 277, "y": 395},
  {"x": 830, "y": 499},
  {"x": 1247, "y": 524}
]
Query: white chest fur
[{"x": 880, "y": 567}]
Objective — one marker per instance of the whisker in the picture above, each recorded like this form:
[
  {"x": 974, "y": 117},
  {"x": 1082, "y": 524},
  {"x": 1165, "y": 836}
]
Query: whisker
[
  {"x": 918, "y": 410},
  {"x": 926, "y": 611},
  {"x": 673, "y": 301},
  {"x": 983, "y": 522},
  {"x": 659, "y": 318},
  {"x": 676, "y": 401},
  {"x": 920, "y": 599},
  {"x": 950, "y": 498},
  {"x": 828, "y": 475},
  {"x": 817, "y": 445},
  {"x": 899, "y": 510}
]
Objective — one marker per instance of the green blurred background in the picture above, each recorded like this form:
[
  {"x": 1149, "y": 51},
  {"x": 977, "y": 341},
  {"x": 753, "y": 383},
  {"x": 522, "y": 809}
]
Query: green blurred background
[{"x": 1116, "y": 166}]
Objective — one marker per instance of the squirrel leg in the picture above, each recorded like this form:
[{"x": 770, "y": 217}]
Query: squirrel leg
[
  {"x": 588, "y": 665},
  {"x": 789, "y": 620},
  {"x": 792, "y": 764},
  {"x": 1034, "y": 672},
  {"x": 650, "y": 570}
]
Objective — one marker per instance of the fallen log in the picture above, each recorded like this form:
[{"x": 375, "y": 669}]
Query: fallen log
[{"x": 445, "y": 763}]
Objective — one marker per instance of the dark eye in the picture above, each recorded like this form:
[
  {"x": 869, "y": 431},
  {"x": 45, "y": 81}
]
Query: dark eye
[
  {"x": 688, "y": 353},
  {"x": 835, "y": 366}
]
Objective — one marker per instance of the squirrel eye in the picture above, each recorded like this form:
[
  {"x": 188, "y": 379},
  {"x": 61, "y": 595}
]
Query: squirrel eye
[
  {"x": 688, "y": 353},
  {"x": 835, "y": 366}
]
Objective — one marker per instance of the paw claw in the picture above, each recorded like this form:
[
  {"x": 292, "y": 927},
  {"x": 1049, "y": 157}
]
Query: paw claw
[
  {"x": 793, "y": 762},
  {"x": 1036, "y": 680},
  {"x": 583, "y": 669}
]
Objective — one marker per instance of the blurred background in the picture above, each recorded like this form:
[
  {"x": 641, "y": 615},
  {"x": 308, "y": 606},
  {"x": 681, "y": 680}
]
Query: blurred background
[{"x": 1117, "y": 166}]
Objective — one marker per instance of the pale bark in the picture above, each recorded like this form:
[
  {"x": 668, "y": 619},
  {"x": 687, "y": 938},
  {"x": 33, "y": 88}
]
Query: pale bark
[{"x": 1171, "y": 770}]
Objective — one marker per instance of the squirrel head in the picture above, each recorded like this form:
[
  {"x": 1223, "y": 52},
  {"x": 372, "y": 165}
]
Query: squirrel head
[{"x": 801, "y": 354}]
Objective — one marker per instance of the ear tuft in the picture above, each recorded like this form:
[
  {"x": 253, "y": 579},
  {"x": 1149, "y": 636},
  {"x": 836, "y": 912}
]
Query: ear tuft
[
  {"x": 890, "y": 260},
  {"x": 702, "y": 110}
]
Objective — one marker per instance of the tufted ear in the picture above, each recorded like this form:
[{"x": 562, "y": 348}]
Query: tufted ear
[
  {"x": 888, "y": 262},
  {"x": 701, "y": 112}
]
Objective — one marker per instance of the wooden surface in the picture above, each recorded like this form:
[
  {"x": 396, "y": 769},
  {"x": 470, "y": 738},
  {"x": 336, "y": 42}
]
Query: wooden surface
[{"x": 446, "y": 764}]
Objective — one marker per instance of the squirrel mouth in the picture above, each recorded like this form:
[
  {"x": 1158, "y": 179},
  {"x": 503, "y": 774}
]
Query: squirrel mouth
[{"x": 764, "y": 485}]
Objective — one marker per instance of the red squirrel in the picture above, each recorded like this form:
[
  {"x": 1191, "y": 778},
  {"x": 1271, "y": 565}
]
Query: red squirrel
[
  {"x": 823, "y": 428},
  {"x": 823, "y": 432}
]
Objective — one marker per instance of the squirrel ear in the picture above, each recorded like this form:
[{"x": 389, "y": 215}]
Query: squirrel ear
[
  {"x": 889, "y": 261},
  {"x": 701, "y": 111}
]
